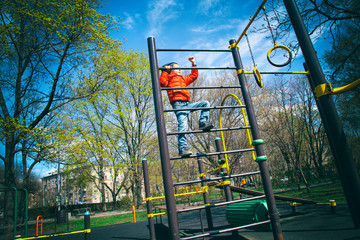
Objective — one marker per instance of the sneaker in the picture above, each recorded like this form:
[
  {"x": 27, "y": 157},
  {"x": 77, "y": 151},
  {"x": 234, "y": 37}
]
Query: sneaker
[
  {"x": 185, "y": 153},
  {"x": 205, "y": 126}
]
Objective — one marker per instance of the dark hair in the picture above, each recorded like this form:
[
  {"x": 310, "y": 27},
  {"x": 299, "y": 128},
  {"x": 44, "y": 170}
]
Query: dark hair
[{"x": 171, "y": 64}]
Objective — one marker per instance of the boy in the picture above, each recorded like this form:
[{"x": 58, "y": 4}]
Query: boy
[{"x": 180, "y": 98}]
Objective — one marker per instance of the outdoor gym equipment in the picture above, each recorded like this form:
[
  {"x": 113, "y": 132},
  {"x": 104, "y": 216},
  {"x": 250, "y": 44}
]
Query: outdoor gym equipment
[
  {"x": 336, "y": 136},
  {"x": 256, "y": 72},
  {"x": 276, "y": 46},
  {"x": 86, "y": 231},
  {"x": 164, "y": 150},
  {"x": 15, "y": 208}
]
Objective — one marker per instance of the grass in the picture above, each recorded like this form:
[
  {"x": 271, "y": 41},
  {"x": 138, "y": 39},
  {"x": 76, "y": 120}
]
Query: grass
[
  {"x": 322, "y": 193},
  {"x": 76, "y": 225}
]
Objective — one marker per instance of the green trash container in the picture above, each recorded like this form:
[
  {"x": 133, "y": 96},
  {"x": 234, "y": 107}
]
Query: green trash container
[{"x": 248, "y": 212}]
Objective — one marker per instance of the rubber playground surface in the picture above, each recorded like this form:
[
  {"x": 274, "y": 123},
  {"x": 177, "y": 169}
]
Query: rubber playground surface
[{"x": 309, "y": 222}]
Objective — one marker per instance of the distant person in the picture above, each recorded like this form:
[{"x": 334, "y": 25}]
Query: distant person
[{"x": 180, "y": 98}]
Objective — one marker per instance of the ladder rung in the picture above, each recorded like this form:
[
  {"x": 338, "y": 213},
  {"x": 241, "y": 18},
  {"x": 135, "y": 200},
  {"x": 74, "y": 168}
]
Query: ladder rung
[
  {"x": 212, "y": 130},
  {"x": 225, "y": 230},
  {"x": 193, "y": 50},
  {"x": 220, "y": 204},
  {"x": 214, "y": 153},
  {"x": 201, "y": 68},
  {"x": 204, "y": 108},
  {"x": 216, "y": 178},
  {"x": 209, "y": 87}
]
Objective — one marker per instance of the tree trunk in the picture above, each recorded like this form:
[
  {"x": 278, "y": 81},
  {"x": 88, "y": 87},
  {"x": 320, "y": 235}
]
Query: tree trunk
[
  {"x": 9, "y": 180},
  {"x": 138, "y": 192}
]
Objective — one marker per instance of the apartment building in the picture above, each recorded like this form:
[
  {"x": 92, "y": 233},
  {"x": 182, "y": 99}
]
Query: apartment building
[{"x": 64, "y": 188}]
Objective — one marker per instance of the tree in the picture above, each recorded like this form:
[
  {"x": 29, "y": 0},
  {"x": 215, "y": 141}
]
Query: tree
[
  {"x": 337, "y": 21},
  {"x": 132, "y": 111},
  {"x": 284, "y": 129},
  {"x": 114, "y": 128},
  {"x": 44, "y": 43}
]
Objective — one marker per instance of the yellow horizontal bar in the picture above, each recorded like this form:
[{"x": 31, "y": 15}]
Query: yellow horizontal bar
[
  {"x": 203, "y": 189},
  {"x": 57, "y": 234},
  {"x": 156, "y": 214},
  {"x": 203, "y": 174},
  {"x": 154, "y": 198},
  {"x": 346, "y": 88}
]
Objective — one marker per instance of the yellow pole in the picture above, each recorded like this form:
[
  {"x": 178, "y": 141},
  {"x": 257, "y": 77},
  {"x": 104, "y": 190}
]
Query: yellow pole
[{"x": 251, "y": 20}]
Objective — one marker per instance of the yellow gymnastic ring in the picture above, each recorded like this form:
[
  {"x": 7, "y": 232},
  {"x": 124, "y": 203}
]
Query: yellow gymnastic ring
[
  {"x": 258, "y": 77},
  {"x": 280, "y": 47}
]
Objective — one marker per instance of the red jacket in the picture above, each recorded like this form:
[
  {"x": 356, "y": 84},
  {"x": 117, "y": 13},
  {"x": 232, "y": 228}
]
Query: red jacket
[{"x": 173, "y": 80}]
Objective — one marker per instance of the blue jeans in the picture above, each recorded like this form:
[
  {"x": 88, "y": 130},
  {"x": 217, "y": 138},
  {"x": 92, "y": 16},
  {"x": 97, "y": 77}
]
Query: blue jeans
[{"x": 182, "y": 118}]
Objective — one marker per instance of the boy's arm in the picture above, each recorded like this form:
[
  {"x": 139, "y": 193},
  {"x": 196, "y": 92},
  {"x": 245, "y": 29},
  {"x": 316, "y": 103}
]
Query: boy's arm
[
  {"x": 164, "y": 79},
  {"x": 193, "y": 76}
]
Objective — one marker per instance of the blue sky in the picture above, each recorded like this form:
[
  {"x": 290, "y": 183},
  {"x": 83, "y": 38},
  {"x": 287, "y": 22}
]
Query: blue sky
[{"x": 203, "y": 24}]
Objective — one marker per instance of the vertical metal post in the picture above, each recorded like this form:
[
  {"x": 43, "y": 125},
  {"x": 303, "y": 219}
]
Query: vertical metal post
[
  {"x": 26, "y": 211},
  {"x": 269, "y": 194},
  {"x": 340, "y": 149},
  {"x": 15, "y": 209},
  {"x": 226, "y": 184},
  {"x": 147, "y": 195},
  {"x": 87, "y": 226},
  {"x": 219, "y": 148},
  {"x": 163, "y": 144},
  {"x": 205, "y": 195}
]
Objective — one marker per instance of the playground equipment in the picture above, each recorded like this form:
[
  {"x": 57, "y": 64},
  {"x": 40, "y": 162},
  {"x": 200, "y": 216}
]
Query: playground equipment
[
  {"x": 16, "y": 208},
  {"x": 338, "y": 143},
  {"x": 223, "y": 167},
  {"x": 37, "y": 225},
  {"x": 244, "y": 213},
  {"x": 86, "y": 231}
]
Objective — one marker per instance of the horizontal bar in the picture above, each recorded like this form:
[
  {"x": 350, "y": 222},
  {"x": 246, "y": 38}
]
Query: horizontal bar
[
  {"x": 210, "y": 87},
  {"x": 219, "y": 204},
  {"x": 57, "y": 234},
  {"x": 215, "y": 153},
  {"x": 225, "y": 230},
  {"x": 204, "y": 108},
  {"x": 211, "y": 130},
  {"x": 193, "y": 50},
  {"x": 278, "y": 72},
  {"x": 201, "y": 68},
  {"x": 217, "y": 178},
  {"x": 233, "y": 68}
]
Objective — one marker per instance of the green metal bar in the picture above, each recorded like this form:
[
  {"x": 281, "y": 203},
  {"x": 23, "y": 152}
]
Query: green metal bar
[
  {"x": 15, "y": 210},
  {"x": 26, "y": 210}
]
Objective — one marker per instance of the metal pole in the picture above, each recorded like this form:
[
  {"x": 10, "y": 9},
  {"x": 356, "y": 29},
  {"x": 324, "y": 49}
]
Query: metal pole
[
  {"x": 15, "y": 209},
  {"x": 147, "y": 195},
  {"x": 87, "y": 226},
  {"x": 205, "y": 195},
  {"x": 26, "y": 210},
  {"x": 341, "y": 151},
  {"x": 223, "y": 172},
  {"x": 270, "y": 199},
  {"x": 163, "y": 144}
]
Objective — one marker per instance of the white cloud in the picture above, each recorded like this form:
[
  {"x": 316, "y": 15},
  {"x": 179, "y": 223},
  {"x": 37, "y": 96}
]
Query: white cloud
[
  {"x": 128, "y": 21},
  {"x": 212, "y": 7},
  {"x": 161, "y": 12},
  {"x": 210, "y": 29}
]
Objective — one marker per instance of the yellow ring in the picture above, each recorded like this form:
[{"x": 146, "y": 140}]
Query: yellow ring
[
  {"x": 281, "y": 47},
  {"x": 258, "y": 77},
  {"x": 245, "y": 123}
]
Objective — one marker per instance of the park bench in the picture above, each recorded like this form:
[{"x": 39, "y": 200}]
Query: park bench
[{"x": 81, "y": 211}]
